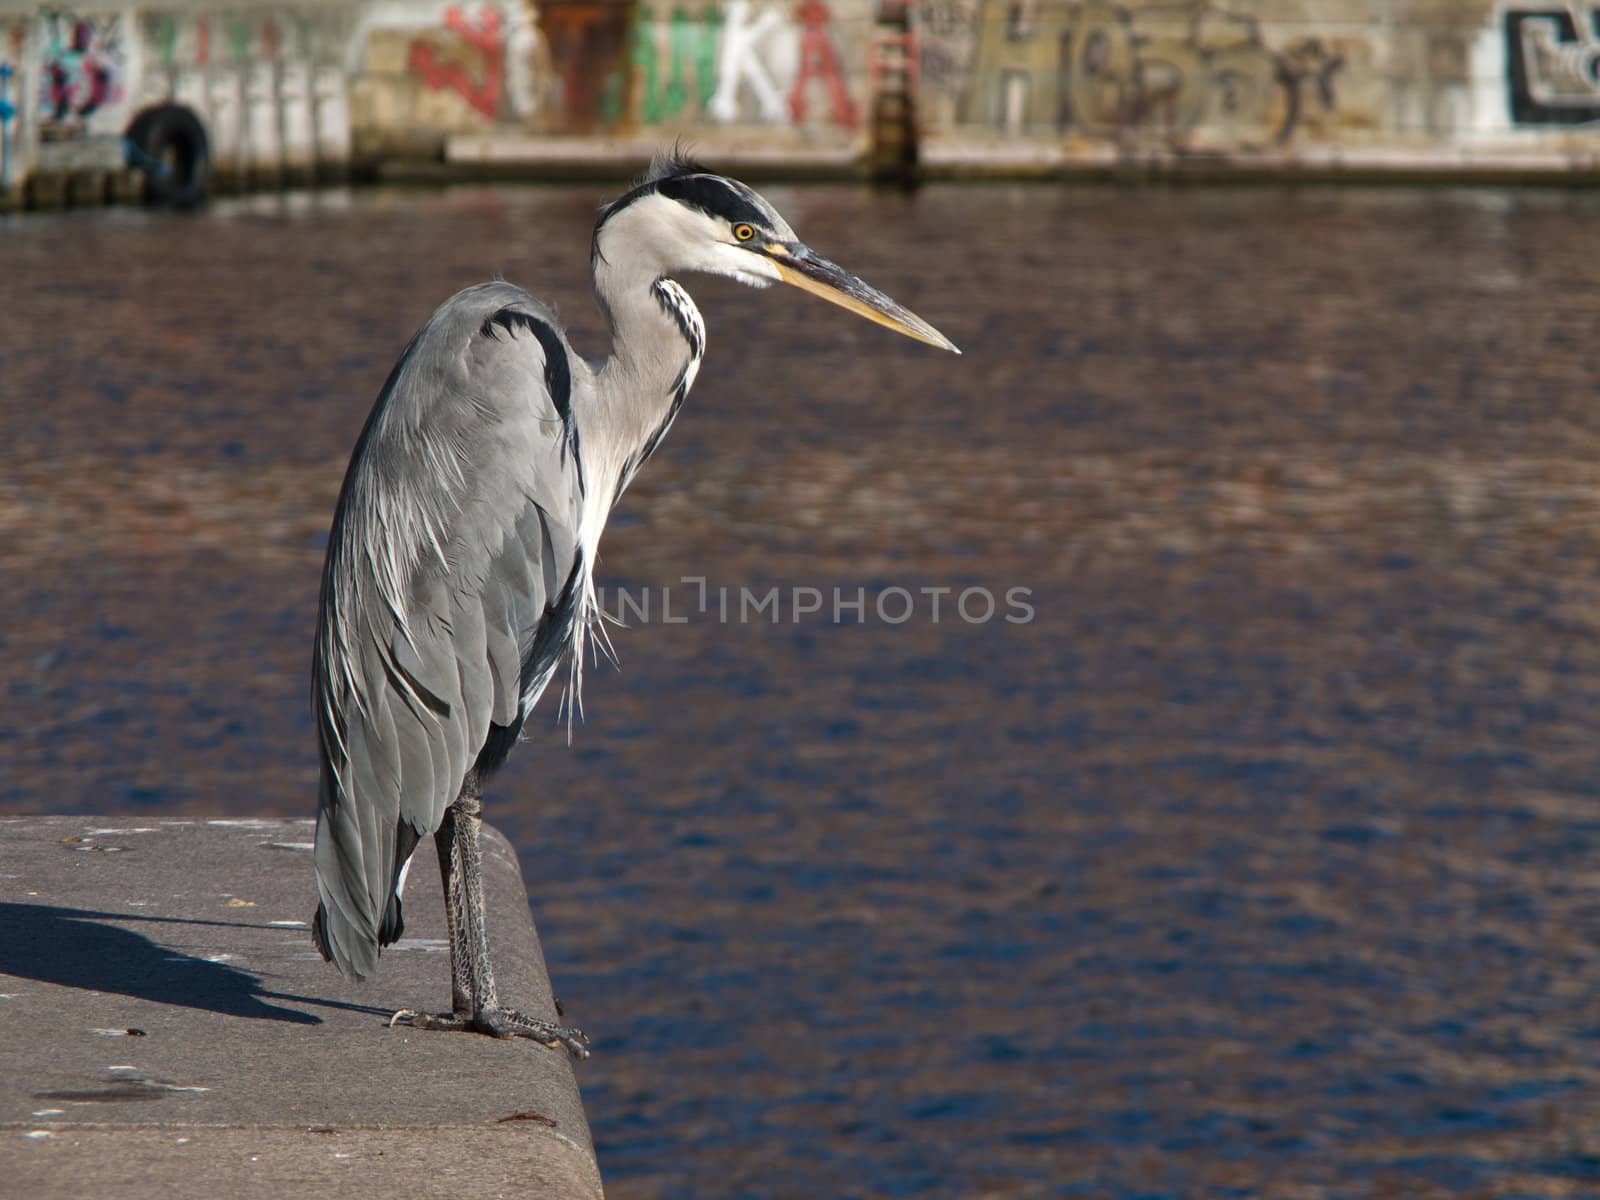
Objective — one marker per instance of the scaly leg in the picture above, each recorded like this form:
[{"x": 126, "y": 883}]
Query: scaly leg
[
  {"x": 473, "y": 995},
  {"x": 460, "y": 976}
]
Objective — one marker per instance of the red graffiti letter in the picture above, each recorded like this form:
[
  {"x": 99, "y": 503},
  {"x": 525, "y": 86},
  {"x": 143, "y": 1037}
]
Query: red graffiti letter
[
  {"x": 819, "y": 61},
  {"x": 483, "y": 37}
]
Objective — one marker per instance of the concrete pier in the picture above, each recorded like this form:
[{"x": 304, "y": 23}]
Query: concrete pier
[{"x": 168, "y": 1029}]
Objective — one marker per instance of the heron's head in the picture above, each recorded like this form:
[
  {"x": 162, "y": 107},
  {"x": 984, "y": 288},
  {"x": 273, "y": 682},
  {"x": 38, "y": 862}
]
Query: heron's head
[{"x": 685, "y": 218}]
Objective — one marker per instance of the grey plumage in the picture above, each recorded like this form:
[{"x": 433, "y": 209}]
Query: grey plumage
[
  {"x": 458, "y": 574},
  {"x": 454, "y": 539}
]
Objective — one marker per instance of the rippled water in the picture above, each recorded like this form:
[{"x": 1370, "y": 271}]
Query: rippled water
[{"x": 1263, "y": 861}]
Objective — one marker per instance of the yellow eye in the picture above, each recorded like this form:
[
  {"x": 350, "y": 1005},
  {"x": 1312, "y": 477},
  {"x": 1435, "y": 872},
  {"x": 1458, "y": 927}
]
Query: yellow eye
[{"x": 743, "y": 232}]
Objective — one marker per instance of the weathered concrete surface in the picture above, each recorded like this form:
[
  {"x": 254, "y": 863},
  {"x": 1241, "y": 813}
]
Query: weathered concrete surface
[{"x": 255, "y": 1067}]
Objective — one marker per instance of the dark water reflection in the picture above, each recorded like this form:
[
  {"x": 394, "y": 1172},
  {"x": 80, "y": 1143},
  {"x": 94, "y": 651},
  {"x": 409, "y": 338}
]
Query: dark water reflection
[{"x": 1262, "y": 862}]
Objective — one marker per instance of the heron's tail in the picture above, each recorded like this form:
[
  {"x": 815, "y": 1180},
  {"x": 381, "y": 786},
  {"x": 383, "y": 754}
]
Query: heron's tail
[
  {"x": 342, "y": 944},
  {"x": 354, "y": 920},
  {"x": 394, "y": 925},
  {"x": 319, "y": 933},
  {"x": 348, "y": 918}
]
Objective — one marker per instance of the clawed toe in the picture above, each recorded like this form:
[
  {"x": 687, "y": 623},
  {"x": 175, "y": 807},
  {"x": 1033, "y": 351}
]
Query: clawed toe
[
  {"x": 500, "y": 1023},
  {"x": 422, "y": 1020},
  {"x": 506, "y": 1022}
]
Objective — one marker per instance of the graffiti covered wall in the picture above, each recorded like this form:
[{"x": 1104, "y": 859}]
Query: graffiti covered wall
[
  {"x": 15, "y": 109},
  {"x": 797, "y": 65},
  {"x": 1553, "y": 63},
  {"x": 1086, "y": 79},
  {"x": 84, "y": 61},
  {"x": 601, "y": 67},
  {"x": 1173, "y": 75},
  {"x": 1177, "y": 76},
  {"x": 65, "y": 77},
  {"x": 421, "y": 71},
  {"x": 285, "y": 89},
  {"x": 1259, "y": 77}
]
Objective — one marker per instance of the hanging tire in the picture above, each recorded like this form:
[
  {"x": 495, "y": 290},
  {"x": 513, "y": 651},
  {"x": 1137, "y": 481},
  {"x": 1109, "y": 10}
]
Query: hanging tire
[{"x": 168, "y": 143}]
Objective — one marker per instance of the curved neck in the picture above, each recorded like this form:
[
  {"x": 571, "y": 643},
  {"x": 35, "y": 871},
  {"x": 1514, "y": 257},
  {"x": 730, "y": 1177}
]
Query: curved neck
[{"x": 657, "y": 338}]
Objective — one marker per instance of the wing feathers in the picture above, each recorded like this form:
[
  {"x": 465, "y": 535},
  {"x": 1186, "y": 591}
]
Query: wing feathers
[
  {"x": 500, "y": 645},
  {"x": 455, "y": 531},
  {"x": 474, "y": 671}
]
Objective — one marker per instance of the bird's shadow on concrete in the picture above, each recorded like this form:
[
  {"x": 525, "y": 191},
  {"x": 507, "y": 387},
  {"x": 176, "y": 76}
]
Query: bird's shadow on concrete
[{"x": 80, "y": 949}]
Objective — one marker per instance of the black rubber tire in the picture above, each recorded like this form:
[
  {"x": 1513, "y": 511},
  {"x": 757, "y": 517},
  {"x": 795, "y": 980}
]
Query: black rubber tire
[{"x": 168, "y": 143}]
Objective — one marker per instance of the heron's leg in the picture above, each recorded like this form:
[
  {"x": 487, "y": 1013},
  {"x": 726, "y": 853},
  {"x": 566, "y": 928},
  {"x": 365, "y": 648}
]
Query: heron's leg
[
  {"x": 460, "y": 968},
  {"x": 448, "y": 844},
  {"x": 488, "y": 1014},
  {"x": 468, "y": 856},
  {"x": 473, "y": 992}
]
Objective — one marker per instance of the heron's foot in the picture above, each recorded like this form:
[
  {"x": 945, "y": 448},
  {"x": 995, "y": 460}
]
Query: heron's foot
[
  {"x": 500, "y": 1023},
  {"x": 507, "y": 1022},
  {"x": 420, "y": 1020}
]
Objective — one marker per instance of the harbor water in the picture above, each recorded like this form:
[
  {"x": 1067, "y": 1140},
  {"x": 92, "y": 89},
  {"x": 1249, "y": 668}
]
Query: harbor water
[{"x": 1151, "y": 755}]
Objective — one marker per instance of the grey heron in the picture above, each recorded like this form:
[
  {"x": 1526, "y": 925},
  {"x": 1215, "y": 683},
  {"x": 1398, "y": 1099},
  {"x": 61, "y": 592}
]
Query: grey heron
[{"x": 459, "y": 570}]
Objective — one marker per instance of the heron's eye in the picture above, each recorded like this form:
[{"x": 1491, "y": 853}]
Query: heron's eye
[{"x": 743, "y": 232}]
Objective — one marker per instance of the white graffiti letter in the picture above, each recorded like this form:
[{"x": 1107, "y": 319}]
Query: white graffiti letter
[
  {"x": 739, "y": 61},
  {"x": 521, "y": 46}
]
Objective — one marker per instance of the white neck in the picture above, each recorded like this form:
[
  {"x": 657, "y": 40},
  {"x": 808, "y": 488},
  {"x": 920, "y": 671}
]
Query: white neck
[{"x": 657, "y": 338}]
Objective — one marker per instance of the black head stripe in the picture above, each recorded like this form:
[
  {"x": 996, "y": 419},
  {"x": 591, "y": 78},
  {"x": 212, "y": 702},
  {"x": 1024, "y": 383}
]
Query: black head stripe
[
  {"x": 713, "y": 195},
  {"x": 686, "y": 182}
]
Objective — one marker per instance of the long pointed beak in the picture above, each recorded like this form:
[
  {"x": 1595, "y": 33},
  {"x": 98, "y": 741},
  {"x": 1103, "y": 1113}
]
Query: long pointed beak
[{"x": 801, "y": 266}]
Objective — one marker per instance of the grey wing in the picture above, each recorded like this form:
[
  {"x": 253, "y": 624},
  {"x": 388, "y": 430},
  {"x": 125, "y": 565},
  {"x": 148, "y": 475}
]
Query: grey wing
[{"x": 449, "y": 594}]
